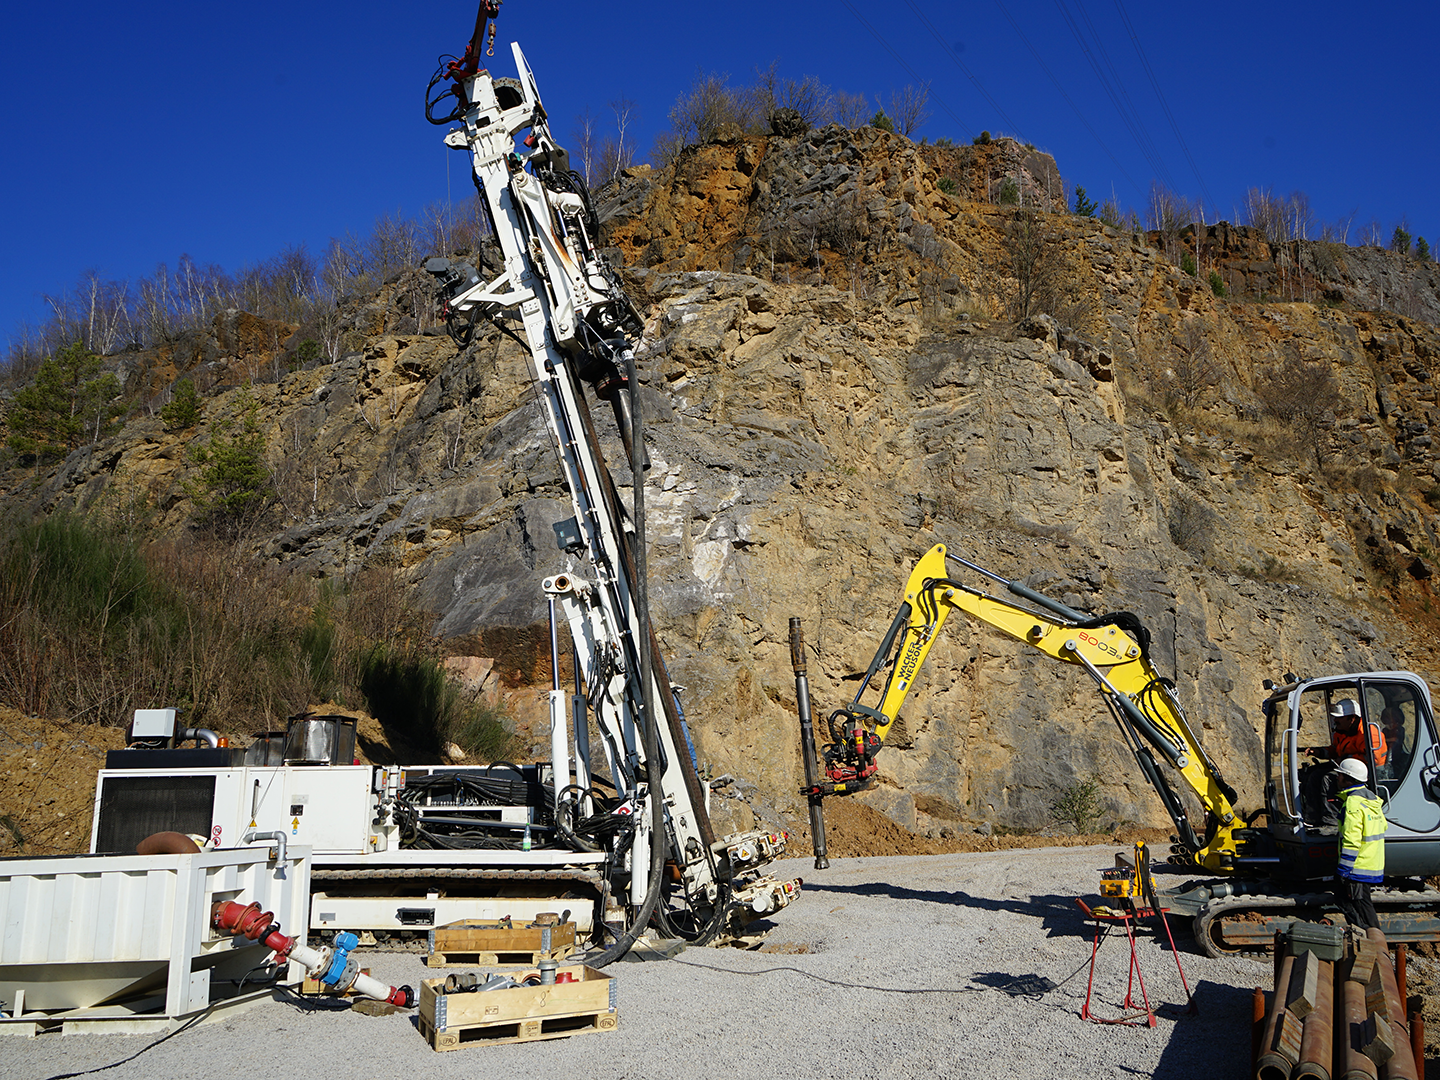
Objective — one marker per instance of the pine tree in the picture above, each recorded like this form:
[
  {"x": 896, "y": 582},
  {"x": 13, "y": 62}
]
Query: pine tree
[
  {"x": 1084, "y": 205},
  {"x": 234, "y": 486},
  {"x": 881, "y": 121},
  {"x": 1422, "y": 249},
  {"x": 69, "y": 403},
  {"x": 182, "y": 411}
]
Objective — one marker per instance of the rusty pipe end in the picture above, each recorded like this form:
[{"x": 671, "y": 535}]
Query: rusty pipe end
[
  {"x": 797, "y": 646},
  {"x": 167, "y": 843}
]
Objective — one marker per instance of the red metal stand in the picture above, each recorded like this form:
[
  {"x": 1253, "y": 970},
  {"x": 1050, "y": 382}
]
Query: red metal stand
[
  {"x": 1138, "y": 1016},
  {"x": 1131, "y": 1019}
]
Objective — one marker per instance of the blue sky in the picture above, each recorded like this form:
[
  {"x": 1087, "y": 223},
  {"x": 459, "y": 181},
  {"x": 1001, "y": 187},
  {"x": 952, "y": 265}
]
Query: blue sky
[{"x": 133, "y": 133}]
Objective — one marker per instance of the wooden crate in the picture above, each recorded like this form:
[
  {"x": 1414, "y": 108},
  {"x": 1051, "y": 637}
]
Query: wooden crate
[
  {"x": 522, "y": 1014},
  {"x": 472, "y": 942}
]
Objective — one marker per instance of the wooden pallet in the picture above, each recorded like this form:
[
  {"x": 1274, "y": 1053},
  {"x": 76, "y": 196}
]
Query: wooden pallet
[
  {"x": 586, "y": 1003},
  {"x": 453, "y": 958},
  {"x": 513, "y": 1031},
  {"x": 472, "y": 942}
]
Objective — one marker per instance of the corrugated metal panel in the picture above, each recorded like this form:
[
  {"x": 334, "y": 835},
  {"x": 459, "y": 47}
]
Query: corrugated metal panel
[{"x": 99, "y": 916}]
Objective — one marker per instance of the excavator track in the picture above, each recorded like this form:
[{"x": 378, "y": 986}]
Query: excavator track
[{"x": 1246, "y": 925}]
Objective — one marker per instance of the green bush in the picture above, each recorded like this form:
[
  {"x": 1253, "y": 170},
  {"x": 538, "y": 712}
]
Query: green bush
[
  {"x": 883, "y": 122},
  {"x": 1422, "y": 249},
  {"x": 1187, "y": 263},
  {"x": 1217, "y": 283},
  {"x": 89, "y": 578},
  {"x": 1009, "y": 192},
  {"x": 182, "y": 411},
  {"x": 1079, "y": 806},
  {"x": 412, "y": 693},
  {"x": 1400, "y": 240},
  {"x": 947, "y": 185},
  {"x": 983, "y": 139}
]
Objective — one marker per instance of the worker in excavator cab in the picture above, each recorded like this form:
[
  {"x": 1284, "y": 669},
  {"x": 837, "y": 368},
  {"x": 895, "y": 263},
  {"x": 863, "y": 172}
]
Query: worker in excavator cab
[
  {"x": 1323, "y": 780},
  {"x": 1362, "y": 844},
  {"x": 1399, "y": 746},
  {"x": 1350, "y": 740}
]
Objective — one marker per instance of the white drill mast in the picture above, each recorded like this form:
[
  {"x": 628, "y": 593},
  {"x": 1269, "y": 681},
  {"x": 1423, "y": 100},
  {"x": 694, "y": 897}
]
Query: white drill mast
[{"x": 575, "y": 317}]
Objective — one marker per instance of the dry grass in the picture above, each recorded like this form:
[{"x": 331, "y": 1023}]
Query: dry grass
[{"x": 97, "y": 621}]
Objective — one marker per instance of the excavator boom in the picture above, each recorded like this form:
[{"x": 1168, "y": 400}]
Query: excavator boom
[{"x": 1112, "y": 649}]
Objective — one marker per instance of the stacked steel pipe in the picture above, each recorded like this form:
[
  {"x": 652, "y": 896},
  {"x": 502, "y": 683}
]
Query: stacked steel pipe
[{"x": 1342, "y": 1019}]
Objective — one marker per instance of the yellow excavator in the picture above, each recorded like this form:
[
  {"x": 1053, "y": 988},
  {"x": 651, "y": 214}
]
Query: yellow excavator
[{"x": 1269, "y": 875}]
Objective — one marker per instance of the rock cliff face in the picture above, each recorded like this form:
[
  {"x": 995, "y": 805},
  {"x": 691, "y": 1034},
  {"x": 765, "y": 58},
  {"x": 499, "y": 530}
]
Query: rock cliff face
[{"x": 827, "y": 395}]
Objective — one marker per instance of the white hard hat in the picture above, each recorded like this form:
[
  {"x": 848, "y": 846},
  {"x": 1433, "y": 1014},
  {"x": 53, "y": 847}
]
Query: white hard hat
[
  {"x": 1354, "y": 767},
  {"x": 1347, "y": 707}
]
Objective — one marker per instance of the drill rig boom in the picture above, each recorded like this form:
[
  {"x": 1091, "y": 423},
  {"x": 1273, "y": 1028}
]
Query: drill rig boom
[{"x": 576, "y": 318}]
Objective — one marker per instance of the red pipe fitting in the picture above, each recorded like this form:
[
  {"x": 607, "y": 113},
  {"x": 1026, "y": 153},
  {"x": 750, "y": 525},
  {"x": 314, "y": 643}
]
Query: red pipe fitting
[{"x": 253, "y": 923}]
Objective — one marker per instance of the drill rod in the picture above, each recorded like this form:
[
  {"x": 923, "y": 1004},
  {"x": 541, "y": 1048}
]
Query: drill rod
[{"x": 807, "y": 742}]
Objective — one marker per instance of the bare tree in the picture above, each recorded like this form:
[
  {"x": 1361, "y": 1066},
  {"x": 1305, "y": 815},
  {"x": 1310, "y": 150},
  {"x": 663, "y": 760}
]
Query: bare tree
[
  {"x": 1169, "y": 213},
  {"x": 394, "y": 246},
  {"x": 1265, "y": 213},
  {"x": 907, "y": 109},
  {"x": 1279, "y": 219},
  {"x": 1112, "y": 214},
  {"x": 1301, "y": 395},
  {"x": 1338, "y": 231},
  {"x": 625, "y": 112},
  {"x": 1299, "y": 217},
  {"x": 439, "y": 220},
  {"x": 850, "y": 110},
  {"x": 1031, "y": 258},
  {"x": 808, "y": 97},
  {"x": 698, "y": 116},
  {"x": 1194, "y": 368},
  {"x": 583, "y": 137},
  {"x": 666, "y": 148}
]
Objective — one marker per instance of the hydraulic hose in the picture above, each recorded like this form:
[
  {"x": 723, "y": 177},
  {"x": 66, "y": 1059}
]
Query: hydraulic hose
[{"x": 648, "y": 732}]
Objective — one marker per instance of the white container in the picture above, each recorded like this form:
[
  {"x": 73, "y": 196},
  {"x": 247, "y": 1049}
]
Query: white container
[{"x": 130, "y": 934}]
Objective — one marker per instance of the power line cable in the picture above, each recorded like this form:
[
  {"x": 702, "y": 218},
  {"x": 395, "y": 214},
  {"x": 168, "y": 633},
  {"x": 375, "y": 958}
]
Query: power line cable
[
  {"x": 967, "y": 72},
  {"x": 1165, "y": 105},
  {"x": 897, "y": 58},
  {"x": 1161, "y": 169},
  {"x": 1131, "y": 123},
  {"x": 1061, "y": 90}
]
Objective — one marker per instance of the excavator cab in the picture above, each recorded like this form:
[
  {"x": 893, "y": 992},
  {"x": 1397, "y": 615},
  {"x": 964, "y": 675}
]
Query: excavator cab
[{"x": 1302, "y": 786}]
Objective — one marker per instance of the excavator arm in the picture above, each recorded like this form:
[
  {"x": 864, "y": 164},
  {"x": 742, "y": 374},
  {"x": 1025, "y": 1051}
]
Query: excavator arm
[{"x": 1112, "y": 649}]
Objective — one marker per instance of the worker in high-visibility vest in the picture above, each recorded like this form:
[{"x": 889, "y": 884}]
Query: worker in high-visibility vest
[
  {"x": 1362, "y": 844},
  {"x": 1351, "y": 737}
]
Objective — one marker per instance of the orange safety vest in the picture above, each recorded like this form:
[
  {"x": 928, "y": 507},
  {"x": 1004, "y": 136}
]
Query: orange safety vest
[{"x": 1353, "y": 745}]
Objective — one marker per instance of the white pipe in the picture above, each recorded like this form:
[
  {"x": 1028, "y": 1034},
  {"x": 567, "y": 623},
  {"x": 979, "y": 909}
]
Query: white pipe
[
  {"x": 280, "y": 839},
  {"x": 560, "y": 741}
]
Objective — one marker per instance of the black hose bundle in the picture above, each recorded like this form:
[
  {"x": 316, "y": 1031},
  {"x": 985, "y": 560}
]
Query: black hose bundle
[{"x": 454, "y": 809}]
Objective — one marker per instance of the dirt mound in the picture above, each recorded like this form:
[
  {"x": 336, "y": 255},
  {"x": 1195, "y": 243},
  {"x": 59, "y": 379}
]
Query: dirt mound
[
  {"x": 47, "y": 782},
  {"x": 854, "y": 830}
]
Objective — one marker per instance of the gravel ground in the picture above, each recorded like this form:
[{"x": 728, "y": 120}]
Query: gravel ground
[{"x": 884, "y": 967}]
